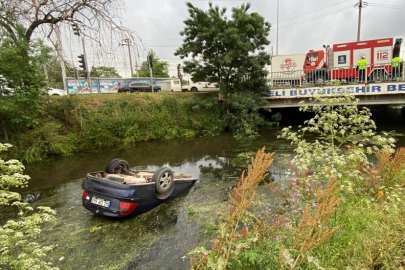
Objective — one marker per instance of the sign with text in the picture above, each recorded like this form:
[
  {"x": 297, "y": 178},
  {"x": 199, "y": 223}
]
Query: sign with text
[{"x": 360, "y": 89}]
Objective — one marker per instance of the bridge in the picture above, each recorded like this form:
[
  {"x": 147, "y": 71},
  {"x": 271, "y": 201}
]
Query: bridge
[{"x": 368, "y": 94}]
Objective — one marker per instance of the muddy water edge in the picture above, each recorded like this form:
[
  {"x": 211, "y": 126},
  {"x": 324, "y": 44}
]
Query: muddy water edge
[{"x": 161, "y": 238}]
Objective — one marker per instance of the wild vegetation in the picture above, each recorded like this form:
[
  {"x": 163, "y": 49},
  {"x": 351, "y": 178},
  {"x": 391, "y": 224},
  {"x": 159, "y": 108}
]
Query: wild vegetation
[
  {"x": 75, "y": 123},
  {"x": 17, "y": 236},
  {"x": 342, "y": 210}
]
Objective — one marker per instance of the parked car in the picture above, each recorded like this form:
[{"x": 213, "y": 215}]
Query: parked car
[
  {"x": 203, "y": 87},
  {"x": 56, "y": 92},
  {"x": 120, "y": 191},
  {"x": 138, "y": 87},
  {"x": 173, "y": 85}
]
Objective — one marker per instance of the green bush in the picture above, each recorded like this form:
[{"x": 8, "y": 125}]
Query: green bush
[
  {"x": 48, "y": 139},
  {"x": 17, "y": 235}
]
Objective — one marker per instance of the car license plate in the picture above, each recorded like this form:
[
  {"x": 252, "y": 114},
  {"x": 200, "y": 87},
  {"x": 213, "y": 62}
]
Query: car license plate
[{"x": 100, "y": 202}]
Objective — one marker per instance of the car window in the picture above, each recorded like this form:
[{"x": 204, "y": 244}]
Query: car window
[
  {"x": 134, "y": 84},
  {"x": 176, "y": 82}
]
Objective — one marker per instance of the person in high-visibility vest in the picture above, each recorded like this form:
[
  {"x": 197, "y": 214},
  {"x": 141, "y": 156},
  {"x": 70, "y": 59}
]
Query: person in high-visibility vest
[
  {"x": 396, "y": 67},
  {"x": 361, "y": 67}
]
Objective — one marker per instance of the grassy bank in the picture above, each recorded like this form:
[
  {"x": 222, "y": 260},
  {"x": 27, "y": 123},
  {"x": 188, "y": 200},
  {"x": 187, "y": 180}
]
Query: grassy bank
[
  {"x": 344, "y": 208},
  {"x": 82, "y": 122}
]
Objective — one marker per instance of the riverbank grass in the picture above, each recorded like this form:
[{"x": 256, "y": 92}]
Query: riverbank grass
[{"x": 85, "y": 122}]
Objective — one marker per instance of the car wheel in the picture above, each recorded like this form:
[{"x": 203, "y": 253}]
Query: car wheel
[
  {"x": 117, "y": 166},
  {"x": 194, "y": 89},
  {"x": 163, "y": 179}
]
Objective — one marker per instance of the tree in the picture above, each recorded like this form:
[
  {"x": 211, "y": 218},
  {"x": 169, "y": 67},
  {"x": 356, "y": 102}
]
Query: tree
[
  {"x": 45, "y": 15},
  {"x": 22, "y": 20},
  {"x": 160, "y": 68},
  {"x": 22, "y": 67},
  {"x": 104, "y": 72},
  {"x": 231, "y": 53}
]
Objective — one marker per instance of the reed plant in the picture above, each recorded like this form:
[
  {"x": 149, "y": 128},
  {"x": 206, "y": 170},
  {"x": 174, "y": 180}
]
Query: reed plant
[
  {"x": 385, "y": 178},
  {"x": 236, "y": 221}
]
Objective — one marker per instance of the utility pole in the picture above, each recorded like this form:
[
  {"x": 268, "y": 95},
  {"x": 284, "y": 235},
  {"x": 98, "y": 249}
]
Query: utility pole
[
  {"x": 128, "y": 43},
  {"x": 83, "y": 57},
  {"x": 360, "y": 5},
  {"x": 59, "y": 52},
  {"x": 180, "y": 76},
  {"x": 88, "y": 68},
  {"x": 150, "y": 62},
  {"x": 359, "y": 23},
  {"x": 278, "y": 1}
]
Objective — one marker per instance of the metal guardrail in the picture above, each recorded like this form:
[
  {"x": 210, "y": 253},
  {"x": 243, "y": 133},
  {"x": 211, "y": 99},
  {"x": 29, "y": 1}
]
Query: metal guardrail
[{"x": 342, "y": 75}]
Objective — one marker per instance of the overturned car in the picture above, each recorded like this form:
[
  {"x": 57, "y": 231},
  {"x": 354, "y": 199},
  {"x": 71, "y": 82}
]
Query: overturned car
[{"x": 120, "y": 191}]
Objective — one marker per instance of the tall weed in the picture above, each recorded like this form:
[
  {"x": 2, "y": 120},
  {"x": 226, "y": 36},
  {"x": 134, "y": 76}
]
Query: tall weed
[{"x": 232, "y": 229}]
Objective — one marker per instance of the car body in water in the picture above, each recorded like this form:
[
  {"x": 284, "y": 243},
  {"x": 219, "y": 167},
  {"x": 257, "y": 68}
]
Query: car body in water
[
  {"x": 122, "y": 192},
  {"x": 138, "y": 87}
]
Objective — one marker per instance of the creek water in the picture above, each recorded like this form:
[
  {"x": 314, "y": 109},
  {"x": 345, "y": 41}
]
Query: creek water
[{"x": 161, "y": 238}]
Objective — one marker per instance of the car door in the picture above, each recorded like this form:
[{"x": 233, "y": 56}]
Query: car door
[
  {"x": 146, "y": 87},
  {"x": 134, "y": 87}
]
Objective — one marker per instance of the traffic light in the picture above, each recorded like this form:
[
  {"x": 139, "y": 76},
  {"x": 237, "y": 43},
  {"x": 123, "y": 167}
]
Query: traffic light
[
  {"x": 82, "y": 62},
  {"x": 150, "y": 60},
  {"x": 75, "y": 30}
]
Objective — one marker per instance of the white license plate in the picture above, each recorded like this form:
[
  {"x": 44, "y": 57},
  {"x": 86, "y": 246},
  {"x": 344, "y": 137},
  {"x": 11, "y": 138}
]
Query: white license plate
[{"x": 100, "y": 202}]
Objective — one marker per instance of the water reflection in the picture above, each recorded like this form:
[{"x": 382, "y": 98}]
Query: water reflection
[{"x": 186, "y": 156}]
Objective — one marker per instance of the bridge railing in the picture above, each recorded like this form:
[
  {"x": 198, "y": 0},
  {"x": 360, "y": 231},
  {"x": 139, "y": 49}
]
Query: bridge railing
[{"x": 343, "y": 75}]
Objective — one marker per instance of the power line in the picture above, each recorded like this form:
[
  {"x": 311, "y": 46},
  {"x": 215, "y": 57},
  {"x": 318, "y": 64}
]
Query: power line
[
  {"x": 315, "y": 18},
  {"x": 387, "y": 6},
  {"x": 281, "y": 27},
  {"x": 159, "y": 40},
  {"x": 311, "y": 12}
]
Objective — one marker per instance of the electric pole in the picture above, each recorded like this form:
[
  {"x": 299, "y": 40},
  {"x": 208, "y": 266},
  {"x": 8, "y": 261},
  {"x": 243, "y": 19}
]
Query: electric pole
[
  {"x": 59, "y": 53},
  {"x": 83, "y": 57},
  {"x": 180, "y": 76},
  {"x": 150, "y": 62},
  {"x": 128, "y": 43},
  {"x": 360, "y": 5}
]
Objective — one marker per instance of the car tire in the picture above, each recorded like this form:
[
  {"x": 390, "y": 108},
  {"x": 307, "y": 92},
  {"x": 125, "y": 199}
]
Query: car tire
[
  {"x": 164, "y": 180},
  {"x": 194, "y": 89},
  {"x": 117, "y": 166}
]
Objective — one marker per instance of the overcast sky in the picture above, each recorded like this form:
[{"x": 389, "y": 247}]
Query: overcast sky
[{"x": 303, "y": 25}]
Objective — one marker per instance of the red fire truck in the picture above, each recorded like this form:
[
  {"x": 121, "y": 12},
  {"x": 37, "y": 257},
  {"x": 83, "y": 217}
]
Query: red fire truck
[{"x": 339, "y": 62}]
